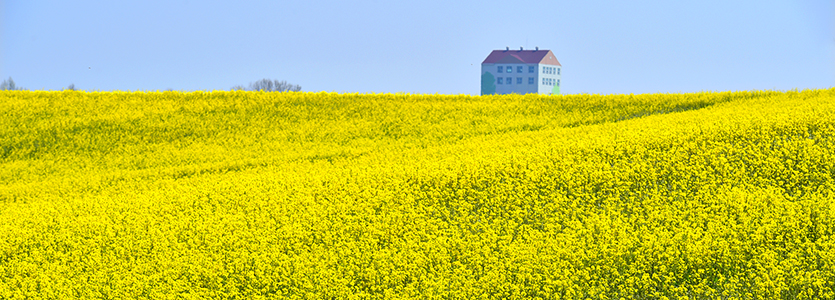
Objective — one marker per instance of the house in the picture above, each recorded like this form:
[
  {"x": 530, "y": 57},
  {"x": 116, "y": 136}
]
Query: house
[{"x": 521, "y": 72}]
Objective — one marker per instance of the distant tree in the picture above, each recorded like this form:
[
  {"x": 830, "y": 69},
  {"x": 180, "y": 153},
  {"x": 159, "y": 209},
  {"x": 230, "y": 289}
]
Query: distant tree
[
  {"x": 488, "y": 85},
  {"x": 273, "y": 86},
  {"x": 71, "y": 87},
  {"x": 9, "y": 85}
]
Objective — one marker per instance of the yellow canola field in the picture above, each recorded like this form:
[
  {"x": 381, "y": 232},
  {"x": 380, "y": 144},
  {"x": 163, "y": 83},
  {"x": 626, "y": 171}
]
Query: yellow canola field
[{"x": 254, "y": 195}]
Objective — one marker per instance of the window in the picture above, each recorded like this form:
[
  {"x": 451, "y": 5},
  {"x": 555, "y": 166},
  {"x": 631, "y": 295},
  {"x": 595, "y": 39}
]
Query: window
[
  {"x": 558, "y": 72},
  {"x": 543, "y": 70},
  {"x": 543, "y": 80},
  {"x": 500, "y": 69},
  {"x": 519, "y": 80},
  {"x": 530, "y": 80},
  {"x": 509, "y": 69},
  {"x": 500, "y": 80},
  {"x": 531, "y": 69},
  {"x": 558, "y": 81},
  {"x": 519, "y": 69},
  {"x": 509, "y": 80}
]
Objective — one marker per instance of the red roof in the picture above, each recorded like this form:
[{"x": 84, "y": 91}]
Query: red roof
[{"x": 522, "y": 57}]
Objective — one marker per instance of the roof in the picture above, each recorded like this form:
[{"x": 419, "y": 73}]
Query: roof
[{"x": 522, "y": 57}]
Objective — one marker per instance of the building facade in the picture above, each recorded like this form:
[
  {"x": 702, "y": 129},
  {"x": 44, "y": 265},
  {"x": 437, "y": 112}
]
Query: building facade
[{"x": 521, "y": 72}]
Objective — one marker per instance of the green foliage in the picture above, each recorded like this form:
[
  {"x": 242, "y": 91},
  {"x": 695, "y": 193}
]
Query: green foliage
[
  {"x": 488, "y": 84},
  {"x": 9, "y": 85}
]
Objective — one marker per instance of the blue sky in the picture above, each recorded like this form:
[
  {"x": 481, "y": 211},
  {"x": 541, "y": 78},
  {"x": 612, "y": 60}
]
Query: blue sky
[{"x": 605, "y": 47}]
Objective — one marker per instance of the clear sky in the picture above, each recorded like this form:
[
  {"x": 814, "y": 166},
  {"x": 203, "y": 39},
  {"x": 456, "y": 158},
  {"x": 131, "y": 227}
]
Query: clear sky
[{"x": 605, "y": 47}]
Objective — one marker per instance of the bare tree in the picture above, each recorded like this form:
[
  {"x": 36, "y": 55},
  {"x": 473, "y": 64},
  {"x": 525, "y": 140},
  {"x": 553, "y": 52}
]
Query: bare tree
[
  {"x": 238, "y": 88},
  {"x": 71, "y": 87},
  {"x": 273, "y": 86},
  {"x": 9, "y": 85}
]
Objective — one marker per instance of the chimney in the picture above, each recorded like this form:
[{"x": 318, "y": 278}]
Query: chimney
[
  {"x": 520, "y": 48},
  {"x": 537, "y": 49},
  {"x": 507, "y": 49}
]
